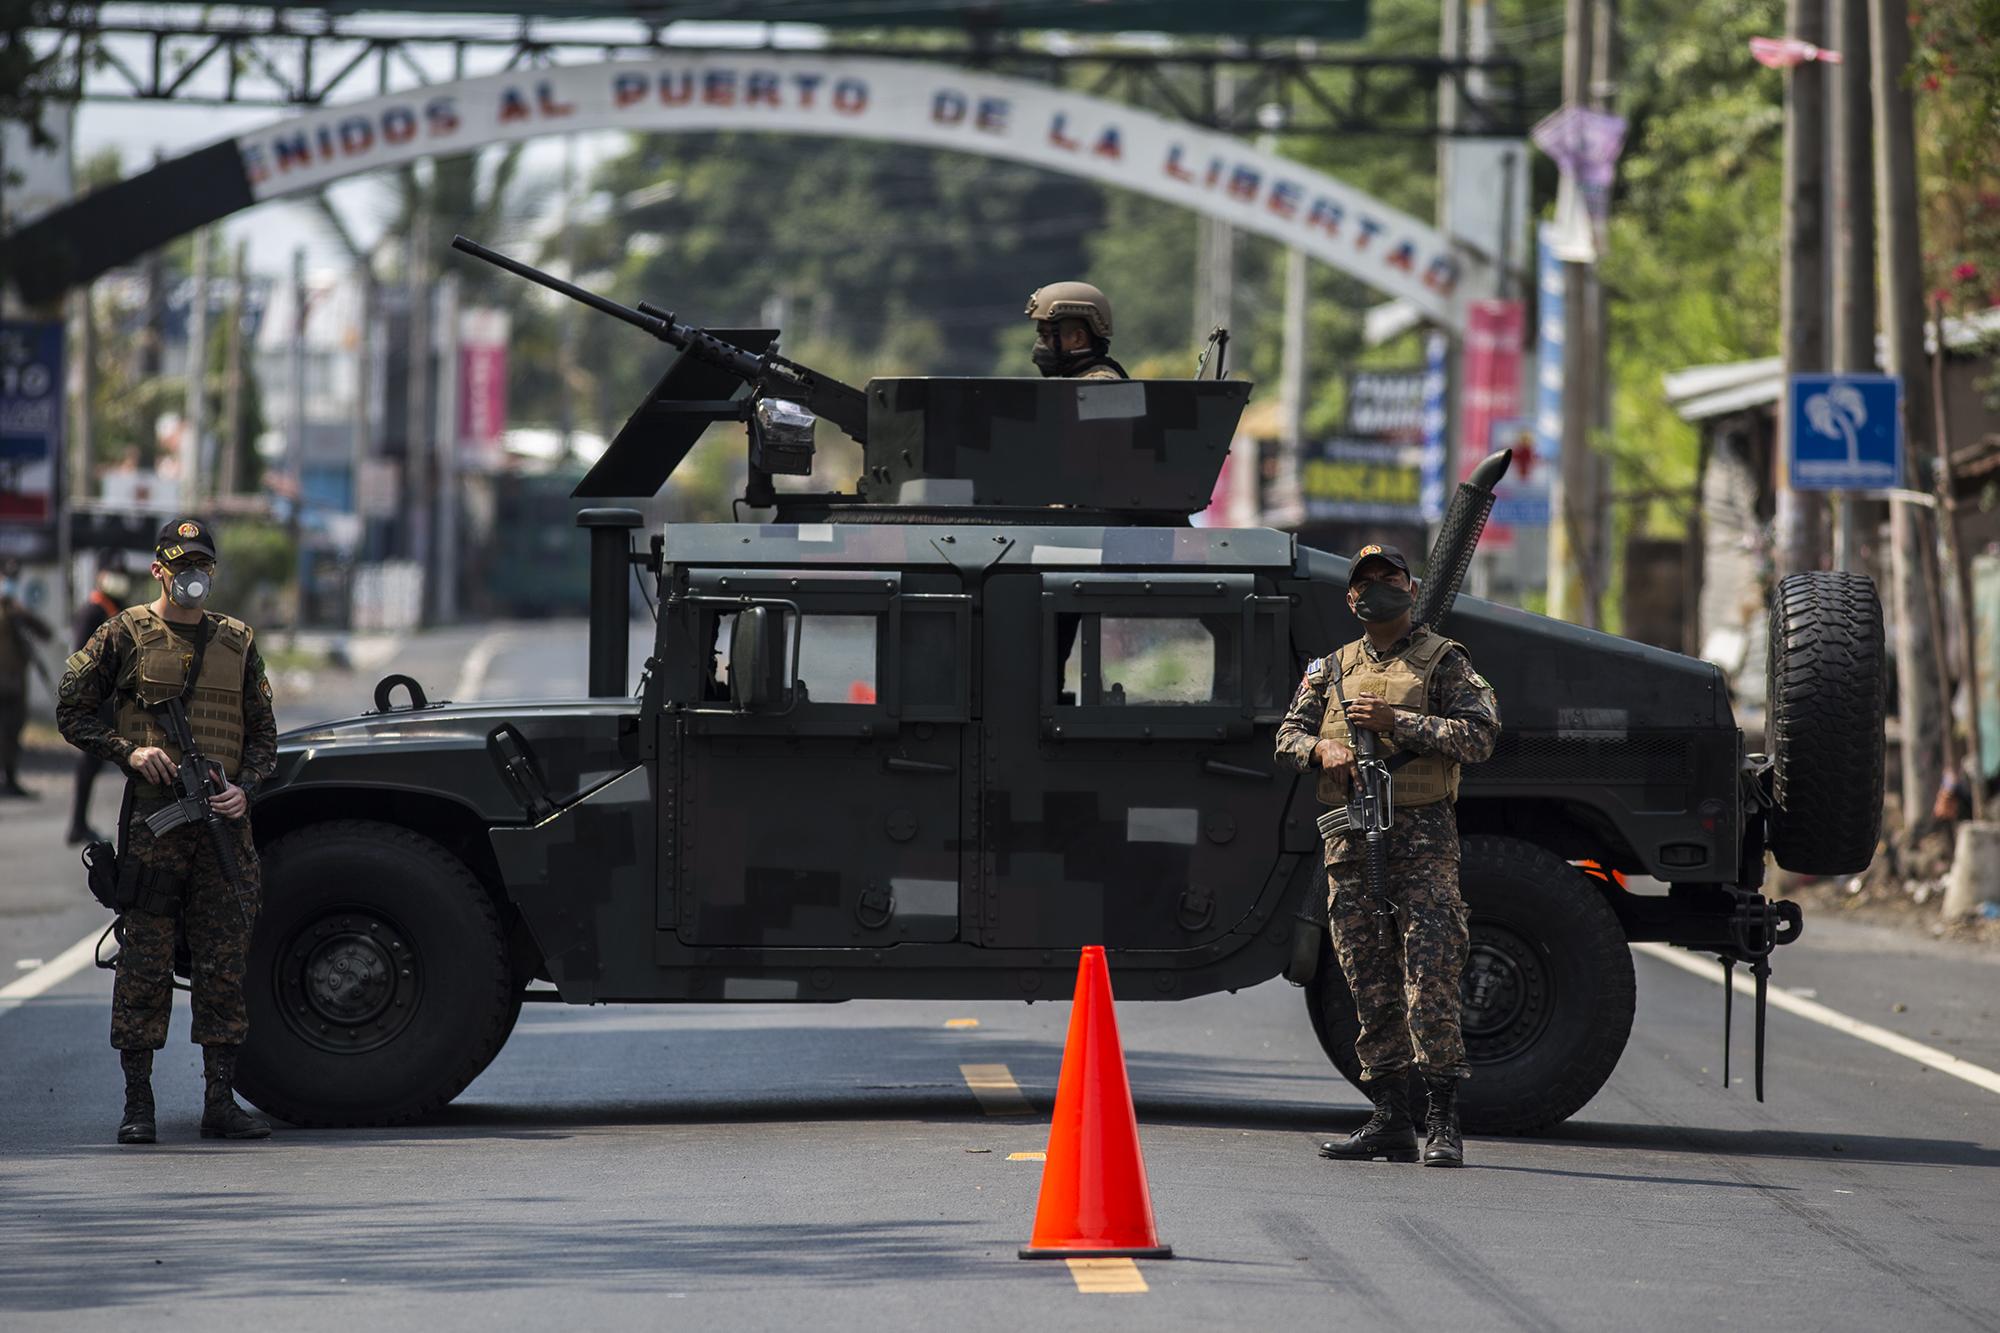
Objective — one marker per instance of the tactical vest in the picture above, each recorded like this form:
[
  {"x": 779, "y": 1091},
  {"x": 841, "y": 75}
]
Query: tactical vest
[
  {"x": 1405, "y": 681},
  {"x": 159, "y": 672}
]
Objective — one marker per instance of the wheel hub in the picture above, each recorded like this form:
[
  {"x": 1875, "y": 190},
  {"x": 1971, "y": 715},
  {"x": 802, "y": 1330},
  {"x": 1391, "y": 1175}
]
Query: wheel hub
[
  {"x": 349, "y": 981},
  {"x": 1506, "y": 994}
]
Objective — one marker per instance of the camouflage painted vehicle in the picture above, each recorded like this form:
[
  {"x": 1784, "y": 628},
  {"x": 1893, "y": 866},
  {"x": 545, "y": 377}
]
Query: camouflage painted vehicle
[{"x": 928, "y": 738}]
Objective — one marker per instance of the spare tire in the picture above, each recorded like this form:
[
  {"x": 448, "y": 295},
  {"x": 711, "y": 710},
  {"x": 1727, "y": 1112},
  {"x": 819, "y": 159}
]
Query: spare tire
[{"x": 1824, "y": 698}]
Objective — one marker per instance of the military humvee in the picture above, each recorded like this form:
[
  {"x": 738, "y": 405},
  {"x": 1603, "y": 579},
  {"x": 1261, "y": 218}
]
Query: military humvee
[{"x": 928, "y": 738}]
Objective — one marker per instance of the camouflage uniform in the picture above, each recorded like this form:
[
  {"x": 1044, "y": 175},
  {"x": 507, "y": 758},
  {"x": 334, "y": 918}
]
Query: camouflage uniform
[
  {"x": 215, "y": 922},
  {"x": 1405, "y": 982},
  {"x": 1102, "y": 369}
]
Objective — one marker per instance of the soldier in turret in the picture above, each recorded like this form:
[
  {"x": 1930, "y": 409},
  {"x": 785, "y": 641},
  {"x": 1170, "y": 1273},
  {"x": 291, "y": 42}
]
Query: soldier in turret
[
  {"x": 1403, "y": 957},
  {"x": 140, "y": 659},
  {"x": 1073, "y": 332}
]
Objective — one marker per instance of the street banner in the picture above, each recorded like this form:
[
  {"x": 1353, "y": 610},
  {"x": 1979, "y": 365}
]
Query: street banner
[
  {"x": 1492, "y": 390},
  {"x": 1550, "y": 338},
  {"x": 31, "y": 429},
  {"x": 482, "y": 387},
  {"x": 1585, "y": 145},
  {"x": 1521, "y": 500},
  {"x": 1845, "y": 432},
  {"x": 1437, "y": 384}
]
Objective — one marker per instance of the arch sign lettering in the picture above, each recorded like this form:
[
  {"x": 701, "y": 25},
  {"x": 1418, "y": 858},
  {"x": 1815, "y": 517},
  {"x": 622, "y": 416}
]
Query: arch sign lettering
[{"x": 894, "y": 101}]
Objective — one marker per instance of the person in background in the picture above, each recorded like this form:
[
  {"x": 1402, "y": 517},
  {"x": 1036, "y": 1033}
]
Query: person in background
[
  {"x": 107, "y": 598},
  {"x": 20, "y": 630}
]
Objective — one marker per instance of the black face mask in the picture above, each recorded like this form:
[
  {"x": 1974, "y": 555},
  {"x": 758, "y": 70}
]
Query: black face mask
[
  {"x": 1381, "y": 602},
  {"x": 1054, "y": 363}
]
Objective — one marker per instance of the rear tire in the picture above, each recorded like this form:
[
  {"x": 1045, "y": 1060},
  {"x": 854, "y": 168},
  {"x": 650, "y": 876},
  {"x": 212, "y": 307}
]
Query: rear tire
[
  {"x": 378, "y": 981},
  {"x": 1824, "y": 692},
  {"x": 1548, "y": 991}
]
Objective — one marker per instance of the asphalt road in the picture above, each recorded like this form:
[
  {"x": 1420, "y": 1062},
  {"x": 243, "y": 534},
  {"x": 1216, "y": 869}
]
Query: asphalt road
[{"x": 829, "y": 1167}]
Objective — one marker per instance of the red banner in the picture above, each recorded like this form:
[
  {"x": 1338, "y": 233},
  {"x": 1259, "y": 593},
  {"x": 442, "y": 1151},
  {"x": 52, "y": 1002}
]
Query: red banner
[
  {"x": 482, "y": 386},
  {"x": 1492, "y": 387}
]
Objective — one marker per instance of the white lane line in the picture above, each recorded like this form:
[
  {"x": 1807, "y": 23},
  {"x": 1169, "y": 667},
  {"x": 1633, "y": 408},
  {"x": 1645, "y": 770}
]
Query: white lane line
[
  {"x": 50, "y": 974},
  {"x": 1791, "y": 1003},
  {"x": 478, "y": 662}
]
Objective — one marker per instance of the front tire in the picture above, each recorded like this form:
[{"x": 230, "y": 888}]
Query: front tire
[
  {"x": 1548, "y": 991},
  {"x": 378, "y": 981}
]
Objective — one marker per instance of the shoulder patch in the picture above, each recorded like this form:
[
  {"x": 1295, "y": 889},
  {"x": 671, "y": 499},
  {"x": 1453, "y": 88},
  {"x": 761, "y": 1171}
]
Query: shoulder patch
[
  {"x": 1317, "y": 664},
  {"x": 1480, "y": 681}
]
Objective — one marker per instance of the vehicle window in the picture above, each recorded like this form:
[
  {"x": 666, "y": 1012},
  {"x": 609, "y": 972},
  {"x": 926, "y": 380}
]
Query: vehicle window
[
  {"x": 1155, "y": 660},
  {"x": 837, "y": 659}
]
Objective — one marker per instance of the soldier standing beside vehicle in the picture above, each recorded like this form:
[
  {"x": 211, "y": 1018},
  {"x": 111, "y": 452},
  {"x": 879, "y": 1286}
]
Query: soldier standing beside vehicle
[
  {"x": 1073, "y": 332},
  {"x": 141, "y": 660},
  {"x": 1402, "y": 957}
]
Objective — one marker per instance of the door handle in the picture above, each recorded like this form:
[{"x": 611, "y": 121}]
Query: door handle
[
  {"x": 896, "y": 763},
  {"x": 1222, "y": 770}
]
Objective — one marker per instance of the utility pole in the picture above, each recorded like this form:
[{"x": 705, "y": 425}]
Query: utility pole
[
  {"x": 296, "y": 437},
  {"x": 1803, "y": 282},
  {"x": 194, "y": 414},
  {"x": 566, "y": 353},
  {"x": 1921, "y": 709},
  {"x": 1572, "y": 578},
  {"x": 1853, "y": 342},
  {"x": 417, "y": 456},
  {"x": 1952, "y": 558},
  {"x": 447, "y": 448},
  {"x": 1597, "y": 517},
  {"x": 230, "y": 430}
]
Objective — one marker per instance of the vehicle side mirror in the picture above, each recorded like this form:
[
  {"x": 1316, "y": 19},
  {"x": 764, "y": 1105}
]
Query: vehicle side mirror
[{"x": 750, "y": 659}]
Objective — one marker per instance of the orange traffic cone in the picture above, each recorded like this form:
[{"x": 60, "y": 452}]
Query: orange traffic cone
[{"x": 1094, "y": 1199}]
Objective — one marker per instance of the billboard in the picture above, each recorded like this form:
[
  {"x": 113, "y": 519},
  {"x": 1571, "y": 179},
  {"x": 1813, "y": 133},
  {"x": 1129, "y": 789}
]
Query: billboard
[{"x": 31, "y": 430}]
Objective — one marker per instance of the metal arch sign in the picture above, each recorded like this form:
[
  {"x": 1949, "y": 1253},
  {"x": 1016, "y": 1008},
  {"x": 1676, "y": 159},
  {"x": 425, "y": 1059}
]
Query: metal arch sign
[{"x": 896, "y": 101}]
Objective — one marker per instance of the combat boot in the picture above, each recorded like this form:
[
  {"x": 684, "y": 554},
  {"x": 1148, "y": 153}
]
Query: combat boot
[
  {"x": 221, "y": 1117},
  {"x": 1389, "y": 1133},
  {"x": 1441, "y": 1142},
  {"x": 138, "y": 1125}
]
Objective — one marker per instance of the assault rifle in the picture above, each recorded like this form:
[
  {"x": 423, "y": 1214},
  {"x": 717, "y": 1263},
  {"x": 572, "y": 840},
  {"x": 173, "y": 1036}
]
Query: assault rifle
[
  {"x": 1373, "y": 805},
  {"x": 773, "y": 376},
  {"x": 197, "y": 781}
]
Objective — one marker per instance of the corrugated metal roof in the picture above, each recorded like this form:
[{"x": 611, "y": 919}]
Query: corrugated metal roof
[{"x": 1702, "y": 393}]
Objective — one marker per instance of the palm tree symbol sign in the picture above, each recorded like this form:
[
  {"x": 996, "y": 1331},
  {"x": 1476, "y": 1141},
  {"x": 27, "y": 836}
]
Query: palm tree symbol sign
[{"x": 1838, "y": 414}]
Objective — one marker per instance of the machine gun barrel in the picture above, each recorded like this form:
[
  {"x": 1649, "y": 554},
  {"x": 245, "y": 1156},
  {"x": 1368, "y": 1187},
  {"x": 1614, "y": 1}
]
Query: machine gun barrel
[{"x": 842, "y": 404}]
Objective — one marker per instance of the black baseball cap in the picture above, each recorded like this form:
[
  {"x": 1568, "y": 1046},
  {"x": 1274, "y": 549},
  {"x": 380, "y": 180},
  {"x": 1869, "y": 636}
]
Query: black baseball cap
[
  {"x": 179, "y": 538},
  {"x": 1367, "y": 553}
]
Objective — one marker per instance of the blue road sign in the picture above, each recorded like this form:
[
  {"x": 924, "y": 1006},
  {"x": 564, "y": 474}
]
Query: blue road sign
[{"x": 1846, "y": 432}]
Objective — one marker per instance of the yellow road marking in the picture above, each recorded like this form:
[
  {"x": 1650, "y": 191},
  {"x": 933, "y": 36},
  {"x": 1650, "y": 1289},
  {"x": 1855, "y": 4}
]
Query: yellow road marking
[
  {"x": 996, "y": 1089},
  {"x": 1027, "y": 1157},
  {"x": 1106, "y": 1277},
  {"x": 961, "y": 1022}
]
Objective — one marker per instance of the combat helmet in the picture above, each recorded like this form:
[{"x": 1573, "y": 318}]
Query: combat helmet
[{"x": 1072, "y": 300}]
